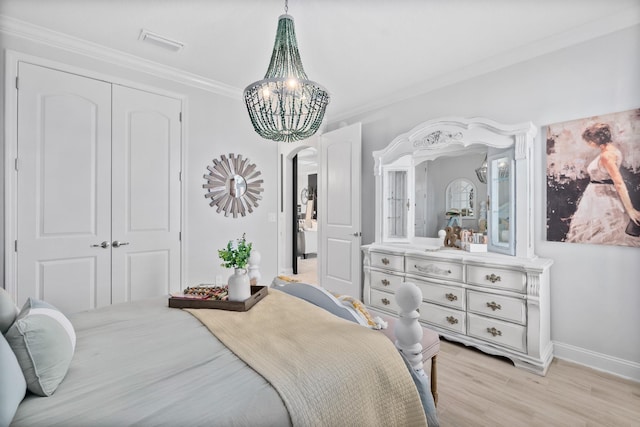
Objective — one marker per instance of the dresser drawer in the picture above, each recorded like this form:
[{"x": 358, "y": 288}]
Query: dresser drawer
[
  {"x": 451, "y": 296},
  {"x": 438, "y": 269},
  {"x": 384, "y": 300},
  {"x": 501, "y": 307},
  {"x": 499, "y": 332},
  {"x": 385, "y": 281},
  {"x": 497, "y": 278},
  {"x": 444, "y": 317},
  {"x": 387, "y": 261}
]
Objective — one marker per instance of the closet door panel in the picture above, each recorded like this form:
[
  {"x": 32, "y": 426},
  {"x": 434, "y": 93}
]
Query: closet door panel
[
  {"x": 146, "y": 194},
  {"x": 64, "y": 188}
]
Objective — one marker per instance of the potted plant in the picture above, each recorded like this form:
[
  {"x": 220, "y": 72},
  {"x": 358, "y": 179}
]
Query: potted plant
[{"x": 237, "y": 257}]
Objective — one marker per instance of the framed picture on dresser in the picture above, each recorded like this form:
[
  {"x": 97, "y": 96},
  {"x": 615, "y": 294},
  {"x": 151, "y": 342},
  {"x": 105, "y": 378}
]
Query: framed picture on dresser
[{"x": 593, "y": 179}]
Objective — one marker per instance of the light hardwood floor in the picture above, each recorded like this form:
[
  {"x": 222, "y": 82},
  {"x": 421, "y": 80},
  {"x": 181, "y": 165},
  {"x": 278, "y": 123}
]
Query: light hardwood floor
[
  {"x": 307, "y": 270},
  {"x": 476, "y": 389}
]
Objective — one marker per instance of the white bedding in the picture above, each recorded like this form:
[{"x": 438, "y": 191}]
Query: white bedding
[{"x": 145, "y": 364}]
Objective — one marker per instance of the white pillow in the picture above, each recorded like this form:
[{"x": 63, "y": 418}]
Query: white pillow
[{"x": 43, "y": 341}]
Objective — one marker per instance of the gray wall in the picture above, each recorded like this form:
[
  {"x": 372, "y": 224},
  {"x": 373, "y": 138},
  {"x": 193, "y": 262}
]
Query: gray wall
[{"x": 595, "y": 290}]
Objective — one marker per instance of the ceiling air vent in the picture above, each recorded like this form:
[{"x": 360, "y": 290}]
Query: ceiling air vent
[{"x": 162, "y": 41}]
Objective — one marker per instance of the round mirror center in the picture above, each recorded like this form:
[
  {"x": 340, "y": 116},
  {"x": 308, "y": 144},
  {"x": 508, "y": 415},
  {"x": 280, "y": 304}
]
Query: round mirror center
[{"x": 237, "y": 186}]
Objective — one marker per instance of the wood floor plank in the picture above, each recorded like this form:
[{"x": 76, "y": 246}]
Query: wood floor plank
[{"x": 476, "y": 389}]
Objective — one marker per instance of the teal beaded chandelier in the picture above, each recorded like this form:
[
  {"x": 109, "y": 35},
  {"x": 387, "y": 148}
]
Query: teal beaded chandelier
[{"x": 286, "y": 105}]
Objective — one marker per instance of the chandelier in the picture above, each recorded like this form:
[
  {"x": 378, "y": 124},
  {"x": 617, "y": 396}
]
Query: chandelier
[
  {"x": 286, "y": 105},
  {"x": 482, "y": 171}
]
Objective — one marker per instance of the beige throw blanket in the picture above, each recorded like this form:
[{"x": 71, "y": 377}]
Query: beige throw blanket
[{"x": 328, "y": 371}]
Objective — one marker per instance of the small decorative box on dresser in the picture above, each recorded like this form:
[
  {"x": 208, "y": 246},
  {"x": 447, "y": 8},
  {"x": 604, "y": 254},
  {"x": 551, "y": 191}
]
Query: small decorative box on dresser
[
  {"x": 445, "y": 186},
  {"x": 497, "y": 303}
]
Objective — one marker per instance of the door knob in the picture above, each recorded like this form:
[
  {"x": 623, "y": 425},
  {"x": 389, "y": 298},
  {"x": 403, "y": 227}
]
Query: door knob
[
  {"x": 357, "y": 234},
  {"x": 117, "y": 244},
  {"x": 103, "y": 245}
]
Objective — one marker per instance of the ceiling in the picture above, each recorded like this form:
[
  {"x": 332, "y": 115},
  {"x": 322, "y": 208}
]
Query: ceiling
[{"x": 367, "y": 53}]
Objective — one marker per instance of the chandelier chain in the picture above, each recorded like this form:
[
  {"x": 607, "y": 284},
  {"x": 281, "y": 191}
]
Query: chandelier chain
[{"x": 286, "y": 6}]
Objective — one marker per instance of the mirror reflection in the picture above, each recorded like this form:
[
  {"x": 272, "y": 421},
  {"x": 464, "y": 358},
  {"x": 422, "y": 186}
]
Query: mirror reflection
[
  {"x": 460, "y": 198},
  {"x": 501, "y": 211},
  {"x": 237, "y": 186},
  {"x": 449, "y": 187}
]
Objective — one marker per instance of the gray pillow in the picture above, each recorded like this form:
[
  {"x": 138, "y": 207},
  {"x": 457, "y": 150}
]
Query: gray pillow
[
  {"x": 43, "y": 341},
  {"x": 8, "y": 311},
  {"x": 12, "y": 384}
]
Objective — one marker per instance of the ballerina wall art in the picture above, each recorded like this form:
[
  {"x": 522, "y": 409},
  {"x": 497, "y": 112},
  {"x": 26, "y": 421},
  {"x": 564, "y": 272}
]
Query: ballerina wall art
[{"x": 593, "y": 180}]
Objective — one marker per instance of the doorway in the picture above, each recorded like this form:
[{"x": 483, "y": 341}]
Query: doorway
[
  {"x": 337, "y": 265},
  {"x": 305, "y": 215}
]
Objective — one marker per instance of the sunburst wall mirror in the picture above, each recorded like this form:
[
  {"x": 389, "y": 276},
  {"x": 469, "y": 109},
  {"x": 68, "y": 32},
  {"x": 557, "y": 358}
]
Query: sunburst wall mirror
[{"x": 233, "y": 185}]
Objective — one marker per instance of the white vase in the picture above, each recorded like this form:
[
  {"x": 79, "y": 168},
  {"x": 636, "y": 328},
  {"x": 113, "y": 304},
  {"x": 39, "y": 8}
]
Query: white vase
[{"x": 239, "y": 286}]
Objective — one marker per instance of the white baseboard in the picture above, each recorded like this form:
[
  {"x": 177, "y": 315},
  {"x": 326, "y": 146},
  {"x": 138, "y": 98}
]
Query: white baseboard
[{"x": 601, "y": 362}]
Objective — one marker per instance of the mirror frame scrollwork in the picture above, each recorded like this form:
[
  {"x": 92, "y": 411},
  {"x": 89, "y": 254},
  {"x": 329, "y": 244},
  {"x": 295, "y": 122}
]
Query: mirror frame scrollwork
[{"x": 233, "y": 185}]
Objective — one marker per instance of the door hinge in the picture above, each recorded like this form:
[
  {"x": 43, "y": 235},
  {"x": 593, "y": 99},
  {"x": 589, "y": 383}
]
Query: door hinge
[
  {"x": 15, "y": 246},
  {"x": 180, "y": 176},
  {"x": 180, "y": 117},
  {"x": 17, "y": 78},
  {"x": 16, "y": 164},
  {"x": 180, "y": 236}
]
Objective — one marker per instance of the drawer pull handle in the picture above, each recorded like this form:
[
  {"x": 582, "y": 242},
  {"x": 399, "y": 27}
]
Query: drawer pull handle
[
  {"x": 385, "y": 261},
  {"x": 385, "y": 282},
  {"x": 492, "y": 278},
  {"x": 493, "y": 306},
  {"x": 452, "y": 320},
  {"x": 386, "y": 301},
  {"x": 451, "y": 297},
  {"x": 494, "y": 331},
  {"x": 430, "y": 268}
]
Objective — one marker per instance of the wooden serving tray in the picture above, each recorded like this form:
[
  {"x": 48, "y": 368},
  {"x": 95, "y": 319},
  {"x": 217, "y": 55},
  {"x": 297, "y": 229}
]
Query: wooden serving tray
[{"x": 257, "y": 293}]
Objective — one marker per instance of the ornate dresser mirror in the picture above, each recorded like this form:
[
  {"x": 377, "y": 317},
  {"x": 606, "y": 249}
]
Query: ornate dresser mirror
[
  {"x": 493, "y": 294},
  {"x": 425, "y": 176}
]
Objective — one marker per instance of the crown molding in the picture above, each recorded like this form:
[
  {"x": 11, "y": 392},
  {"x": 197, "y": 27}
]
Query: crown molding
[
  {"x": 573, "y": 36},
  {"x": 37, "y": 34}
]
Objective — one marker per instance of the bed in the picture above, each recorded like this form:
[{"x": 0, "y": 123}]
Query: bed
[{"x": 143, "y": 363}]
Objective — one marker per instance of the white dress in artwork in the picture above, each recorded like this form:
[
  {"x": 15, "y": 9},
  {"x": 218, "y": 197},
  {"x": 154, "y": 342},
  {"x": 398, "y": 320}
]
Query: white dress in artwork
[{"x": 600, "y": 217}]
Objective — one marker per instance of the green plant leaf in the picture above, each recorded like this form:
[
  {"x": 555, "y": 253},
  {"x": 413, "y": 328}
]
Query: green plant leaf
[{"x": 236, "y": 257}]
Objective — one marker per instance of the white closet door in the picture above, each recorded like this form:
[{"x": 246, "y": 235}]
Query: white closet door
[
  {"x": 146, "y": 194},
  {"x": 64, "y": 189}
]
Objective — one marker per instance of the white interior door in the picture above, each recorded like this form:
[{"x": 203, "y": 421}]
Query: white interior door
[
  {"x": 98, "y": 191},
  {"x": 64, "y": 189},
  {"x": 146, "y": 194},
  {"x": 339, "y": 188}
]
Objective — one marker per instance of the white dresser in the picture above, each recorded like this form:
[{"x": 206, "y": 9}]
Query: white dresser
[
  {"x": 462, "y": 175},
  {"x": 497, "y": 303}
]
